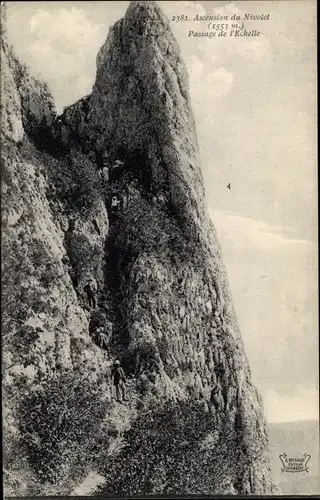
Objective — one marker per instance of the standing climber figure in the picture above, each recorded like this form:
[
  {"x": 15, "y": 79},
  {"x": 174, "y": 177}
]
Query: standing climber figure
[
  {"x": 115, "y": 204},
  {"x": 91, "y": 290},
  {"x": 119, "y": 380},
  {"x": 105, "y": 173}
]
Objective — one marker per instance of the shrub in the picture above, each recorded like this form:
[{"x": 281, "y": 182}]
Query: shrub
[
  {"x": 59, "y": 422},
  {"x": 164, "y": 453},
  {"x": 74, "y": 180},
  {"x": 142, "y": 227},
  {"x": 47, "y": 269},
  {"x": 151, "y": 229},
  {"x": 84, "y": 256}
]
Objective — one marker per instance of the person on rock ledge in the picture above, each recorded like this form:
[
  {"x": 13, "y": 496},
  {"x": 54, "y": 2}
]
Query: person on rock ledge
[
  {"x": 119, "y": 380},
  {"x": 91, "y": 289},
  {"x": 115, "y": 205}
]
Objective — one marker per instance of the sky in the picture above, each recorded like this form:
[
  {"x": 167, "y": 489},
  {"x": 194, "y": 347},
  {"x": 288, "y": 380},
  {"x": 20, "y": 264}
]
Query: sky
[{"x": 254, "y": 101}]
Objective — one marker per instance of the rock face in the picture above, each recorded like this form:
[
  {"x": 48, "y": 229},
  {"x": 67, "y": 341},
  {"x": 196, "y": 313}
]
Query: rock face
[
  {"x": 47, "y": 244},
  {"x": 164, "y": 298},
  {"x": 27, "y": 104}
]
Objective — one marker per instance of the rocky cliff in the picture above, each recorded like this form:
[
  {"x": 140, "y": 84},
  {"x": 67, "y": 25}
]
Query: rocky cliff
[{"x": 193, "y": 422}]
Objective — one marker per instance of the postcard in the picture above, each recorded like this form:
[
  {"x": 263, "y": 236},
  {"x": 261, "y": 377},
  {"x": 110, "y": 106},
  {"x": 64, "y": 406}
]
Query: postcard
[{"x": 159, "y": 248}]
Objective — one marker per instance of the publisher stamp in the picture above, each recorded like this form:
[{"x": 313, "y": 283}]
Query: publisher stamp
[{"x": 295, "y": 464}]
